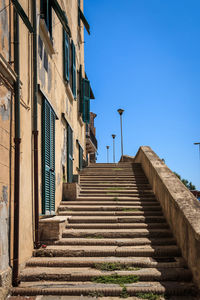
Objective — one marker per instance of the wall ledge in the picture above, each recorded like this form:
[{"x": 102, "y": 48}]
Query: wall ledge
[{"x": 179, "y": 205}]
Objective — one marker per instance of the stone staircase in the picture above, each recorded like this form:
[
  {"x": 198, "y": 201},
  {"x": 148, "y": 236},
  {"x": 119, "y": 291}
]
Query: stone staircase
[{"x": 117, "y": 243}]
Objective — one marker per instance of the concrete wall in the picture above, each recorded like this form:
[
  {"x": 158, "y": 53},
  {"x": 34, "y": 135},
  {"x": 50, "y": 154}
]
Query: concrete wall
[{"x": 180, "y": 207}]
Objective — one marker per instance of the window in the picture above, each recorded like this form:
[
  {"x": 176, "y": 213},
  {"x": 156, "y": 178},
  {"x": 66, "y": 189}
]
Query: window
[
  {"x": 40, "y": 46},
  {"x": 65, "y": 55},
  {"x": 45, "y": 61},
  {"x": 73, "y": 69},
  {"x": 85, "y": 93},
  {"x": 46, "y": 14}
]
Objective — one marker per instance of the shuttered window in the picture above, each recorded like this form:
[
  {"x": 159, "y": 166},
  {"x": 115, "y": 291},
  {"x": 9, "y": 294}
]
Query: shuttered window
[
  {"x": 69, "y": 154},
  {"x": 73, "y": 69},
  {"x": 86, "y": 100},
  {"x": 65, "y": 56},
  {"x": 46, "y": 14},
  {"x": 80, "y": 158},
  {"x": 48, "y": 159}
]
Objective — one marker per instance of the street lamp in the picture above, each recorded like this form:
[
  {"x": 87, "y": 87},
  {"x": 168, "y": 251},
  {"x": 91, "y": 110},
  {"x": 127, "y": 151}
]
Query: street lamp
[
  {"x": 199, "y": 147},
  {"x": 113, "y": 136},
  {"x": 107, "y": 147},
  {"x": 120, "y": 111}
]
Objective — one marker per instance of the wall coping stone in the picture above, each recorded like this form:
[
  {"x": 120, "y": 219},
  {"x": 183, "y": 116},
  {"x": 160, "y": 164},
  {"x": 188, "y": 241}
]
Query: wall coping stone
[{"x": 179, "y": 205}]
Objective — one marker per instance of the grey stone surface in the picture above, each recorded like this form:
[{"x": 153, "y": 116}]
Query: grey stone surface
[{"x": 180, "y": 207}]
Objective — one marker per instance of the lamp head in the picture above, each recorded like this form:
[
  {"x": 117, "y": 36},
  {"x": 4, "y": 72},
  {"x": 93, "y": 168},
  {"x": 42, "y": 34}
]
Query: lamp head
[
  {"x": 120, "y": 111},
  {"x": 113, "y": 136},
  {"x": 107, "y": 147}
]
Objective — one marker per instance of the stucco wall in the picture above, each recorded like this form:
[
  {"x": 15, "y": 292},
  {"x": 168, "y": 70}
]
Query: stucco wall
[
  {"x": 180, "y": 207},
  {"x": 5, "y": 168}
]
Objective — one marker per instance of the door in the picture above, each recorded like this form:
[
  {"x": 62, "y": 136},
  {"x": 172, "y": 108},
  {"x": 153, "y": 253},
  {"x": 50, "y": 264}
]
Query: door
[
  {"x": 48, "y": 159},
  {"x": 69, "y": 154}
]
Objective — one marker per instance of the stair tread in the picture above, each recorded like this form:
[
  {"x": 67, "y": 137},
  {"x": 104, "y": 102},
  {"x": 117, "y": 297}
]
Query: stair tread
[
  {"x": 86, "y": 261},
  {"x": 64, "y": 273}
]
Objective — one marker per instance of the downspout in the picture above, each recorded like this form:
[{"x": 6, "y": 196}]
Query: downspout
[
  {"x": 35, "y": 126},
  {"x": 17, "y": 141}
]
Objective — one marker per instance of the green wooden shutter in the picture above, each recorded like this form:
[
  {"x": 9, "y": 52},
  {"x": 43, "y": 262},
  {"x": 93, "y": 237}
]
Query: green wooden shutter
[
  {"x": 73, "y": 70},
  {"x": 65, "y": 55},
  {"x": 69, "y": 154},
  {"x": 80, "y": 90},
  {"x": 86, "y": 100},
  {"x": 80, "y": 158},
  {"x": 48, "y": 159}
]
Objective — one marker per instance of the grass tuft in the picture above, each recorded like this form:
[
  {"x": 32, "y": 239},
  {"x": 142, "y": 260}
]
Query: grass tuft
[
  {"x": 94, "y": 237},
  {"x": 124, "y": 293},
  {"x": 130, "y": 209},
  {"x": 116, "y": 279},
  {"x": 114, "y": 267},
  {"x": 149, "y": 296}
]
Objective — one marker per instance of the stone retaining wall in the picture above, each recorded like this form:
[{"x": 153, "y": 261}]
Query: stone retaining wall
[{"x": 180, "y": 207}]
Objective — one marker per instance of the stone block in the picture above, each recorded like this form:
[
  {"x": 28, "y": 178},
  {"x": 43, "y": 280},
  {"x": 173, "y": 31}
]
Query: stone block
[
  {"x": 50, "y": 229},
  {"x": 70, "y": 191}
]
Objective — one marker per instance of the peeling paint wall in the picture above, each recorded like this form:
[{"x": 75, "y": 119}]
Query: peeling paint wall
[
  {"x": 4, "y": 29},
  {"x": 5, "y": 97}
]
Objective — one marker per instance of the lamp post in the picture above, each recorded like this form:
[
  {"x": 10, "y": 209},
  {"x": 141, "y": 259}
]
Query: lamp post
[
  {"x": 113, "y": 136},
  {"x": 107, "y": 147},
  {"x": 120, "y": 111},
  {"x": 199, "y": 147}
]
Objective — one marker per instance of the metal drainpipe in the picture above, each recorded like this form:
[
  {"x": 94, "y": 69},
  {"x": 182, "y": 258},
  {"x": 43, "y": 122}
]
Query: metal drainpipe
[
  {"x": 35, "y": 126},
  {"x": 17, "y": 141}
]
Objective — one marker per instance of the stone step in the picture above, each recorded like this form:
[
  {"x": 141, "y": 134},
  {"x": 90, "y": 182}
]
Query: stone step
[
  {"x": 87, "y": 288},
  {"x": 120, "y": 219},
  {"x": 108, "y": 208},
  {"x": 111, "y": 213},
  {"x": 116, "y": 242},
  {"x": 120, "y": 233},
  {"x": 141, "y": 262},
  {"x": 107, "y": 192},
  {"x": 87, "y": 251},
  {"x": 116, "y": 202},
  {"x": 118, "y": 226},
  {"x": 134, "y": 188},
  {"x": 88, "y": 274}
]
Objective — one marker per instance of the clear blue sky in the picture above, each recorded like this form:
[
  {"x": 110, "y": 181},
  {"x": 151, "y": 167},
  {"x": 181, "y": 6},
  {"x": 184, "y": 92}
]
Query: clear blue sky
[{"x": 144, "y": 56}]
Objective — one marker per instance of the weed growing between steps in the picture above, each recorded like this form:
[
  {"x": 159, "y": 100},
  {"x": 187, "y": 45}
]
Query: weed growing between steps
[
  {"x": 95, "y": 294},
  {"x": 149, "y": 296},
  {"x": 124, "y": 293},
  {"x": 115, "y": 267},
  {"x": 115, "y": 199},
  {"x": 114, "y": 188},
  {"x": 116, "y": 279}
]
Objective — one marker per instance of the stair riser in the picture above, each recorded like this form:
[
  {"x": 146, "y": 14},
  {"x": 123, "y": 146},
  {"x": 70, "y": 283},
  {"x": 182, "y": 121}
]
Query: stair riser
[
  {"x": 106, "y": 291},
  {"x": 184, "y": 276},
  {"x": 69, "y": 208},
  {"x": 113, "y": 242},
  {"x": 119, "y": 202},
  {"x": 120, "y": 220},
  {"x": 145, "y": 253},
  {"x": 114, "y": 235},
  {"x": 121, "y": 226},
  {"x": 111, "y": 213}
]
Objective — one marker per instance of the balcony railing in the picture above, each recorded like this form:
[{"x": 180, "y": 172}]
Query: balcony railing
[{"x": 91, "y": 136}]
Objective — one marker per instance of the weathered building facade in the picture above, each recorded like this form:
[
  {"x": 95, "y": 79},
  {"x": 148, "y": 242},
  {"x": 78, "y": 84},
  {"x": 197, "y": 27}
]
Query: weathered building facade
[{"x": 44, "y": 109}]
